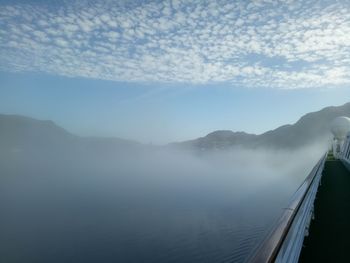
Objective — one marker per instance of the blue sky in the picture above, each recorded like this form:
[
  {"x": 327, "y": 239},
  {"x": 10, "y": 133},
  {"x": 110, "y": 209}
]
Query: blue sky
[{"x": 171, "y": 70}]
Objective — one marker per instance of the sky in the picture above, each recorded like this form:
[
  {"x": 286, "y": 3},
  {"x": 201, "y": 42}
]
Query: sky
[{"x": 161, "y": 71}]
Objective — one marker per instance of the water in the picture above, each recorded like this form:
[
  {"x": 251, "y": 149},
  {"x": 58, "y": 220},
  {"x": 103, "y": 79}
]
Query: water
[{"x": 159, "y": 208}]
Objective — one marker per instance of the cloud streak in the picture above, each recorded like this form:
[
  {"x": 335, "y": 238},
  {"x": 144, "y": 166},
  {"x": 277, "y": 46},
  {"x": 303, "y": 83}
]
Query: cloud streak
[{"x": 263, "y": 43}]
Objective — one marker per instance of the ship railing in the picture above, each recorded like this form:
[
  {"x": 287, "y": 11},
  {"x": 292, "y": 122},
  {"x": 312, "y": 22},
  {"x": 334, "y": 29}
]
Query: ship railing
[{"x": 285, "y": 240}]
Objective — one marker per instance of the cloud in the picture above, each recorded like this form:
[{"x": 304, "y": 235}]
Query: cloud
[{"x": 277, "y": 44}]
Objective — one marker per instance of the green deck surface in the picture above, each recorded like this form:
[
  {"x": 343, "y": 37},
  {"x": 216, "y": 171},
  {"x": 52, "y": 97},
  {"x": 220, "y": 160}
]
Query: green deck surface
[{"x": 329, "y": 239}]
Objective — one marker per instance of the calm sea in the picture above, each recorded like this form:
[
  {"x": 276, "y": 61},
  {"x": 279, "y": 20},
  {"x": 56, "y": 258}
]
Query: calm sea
[{"x": 164, "y": 208}]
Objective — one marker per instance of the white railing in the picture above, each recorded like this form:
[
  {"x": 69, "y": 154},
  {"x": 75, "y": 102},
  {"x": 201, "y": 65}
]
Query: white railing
[{"x": 285, "y": 240}]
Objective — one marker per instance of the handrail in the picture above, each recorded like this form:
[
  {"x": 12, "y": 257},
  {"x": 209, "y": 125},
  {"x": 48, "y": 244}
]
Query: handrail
[{"x": 269, "y": 248}]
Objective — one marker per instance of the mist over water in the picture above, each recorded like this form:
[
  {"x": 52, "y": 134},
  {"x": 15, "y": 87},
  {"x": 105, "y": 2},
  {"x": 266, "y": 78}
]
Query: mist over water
[{"x": 157, "y": 205}]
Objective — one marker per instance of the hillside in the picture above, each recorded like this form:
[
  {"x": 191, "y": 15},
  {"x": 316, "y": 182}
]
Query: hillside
[
  {"x": 23, "y": 134},
  {"x": 311, "y": 128},
  {"x": 19, "y": 133}
]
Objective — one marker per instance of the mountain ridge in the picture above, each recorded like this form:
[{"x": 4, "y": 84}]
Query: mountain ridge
[
  {"x": 22, "y": 132},
  {"x": 312, "y": 127}
]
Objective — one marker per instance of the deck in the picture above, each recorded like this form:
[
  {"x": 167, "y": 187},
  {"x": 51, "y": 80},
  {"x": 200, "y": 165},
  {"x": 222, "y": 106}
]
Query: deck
[{"x": 330, "y": 230}]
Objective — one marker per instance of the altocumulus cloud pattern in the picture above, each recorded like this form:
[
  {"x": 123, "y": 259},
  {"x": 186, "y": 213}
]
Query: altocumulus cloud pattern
[{"x": 265, "y": 43}]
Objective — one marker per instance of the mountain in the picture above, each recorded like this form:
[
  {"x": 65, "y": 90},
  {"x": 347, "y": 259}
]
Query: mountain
[
  {"x": 19, "y": 133},
  {"x": 218, "y": 140},
  {"x": 311, "y": 128},
  {"x": 23, "y": 134}
]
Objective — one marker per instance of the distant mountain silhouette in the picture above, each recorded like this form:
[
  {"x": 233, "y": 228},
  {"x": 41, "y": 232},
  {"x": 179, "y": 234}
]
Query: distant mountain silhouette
[
  {"x": 311, "y": 128},
  {"x": 23, "y": 134},
  {"x": 219, "y": 140}
]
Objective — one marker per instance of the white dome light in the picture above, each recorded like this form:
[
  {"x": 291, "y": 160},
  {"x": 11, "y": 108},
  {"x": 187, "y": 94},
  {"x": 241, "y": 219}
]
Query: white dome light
[{"x": 340, "y": 127}]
